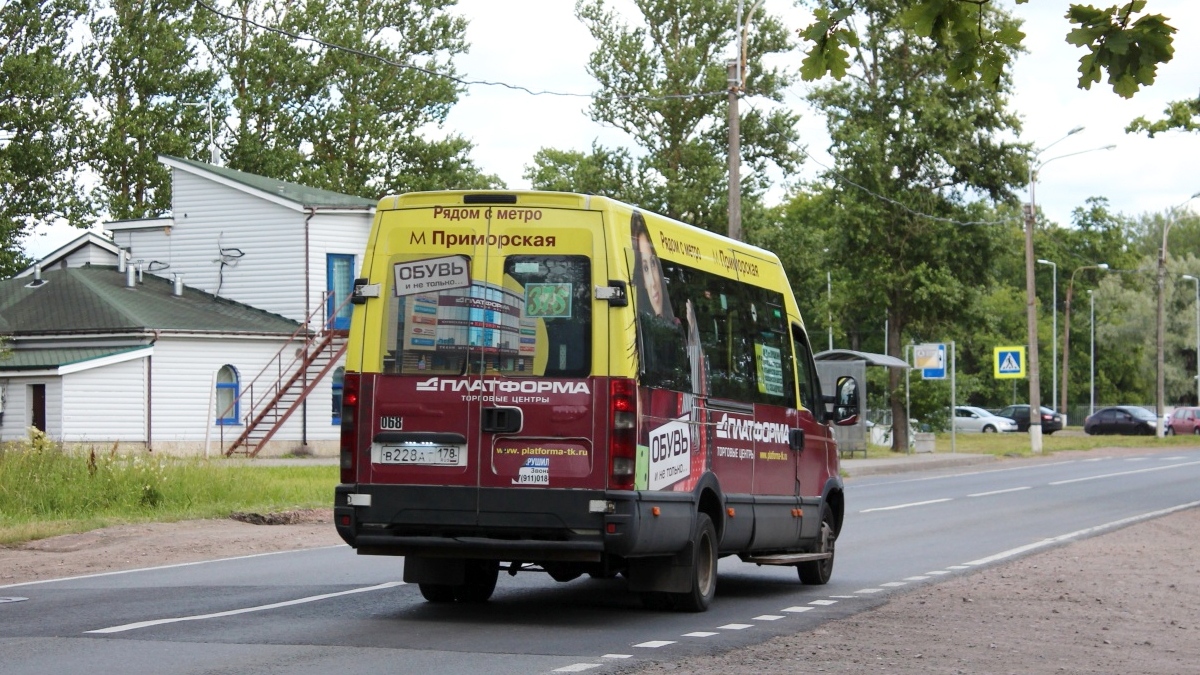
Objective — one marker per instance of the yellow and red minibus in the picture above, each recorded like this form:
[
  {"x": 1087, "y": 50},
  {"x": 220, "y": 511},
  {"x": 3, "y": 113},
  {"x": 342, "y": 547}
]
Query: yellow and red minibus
[{"x": 565, "y": 383}]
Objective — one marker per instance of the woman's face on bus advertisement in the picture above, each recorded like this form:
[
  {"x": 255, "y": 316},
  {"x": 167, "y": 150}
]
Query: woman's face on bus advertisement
[{"x": 651, "y": 274}]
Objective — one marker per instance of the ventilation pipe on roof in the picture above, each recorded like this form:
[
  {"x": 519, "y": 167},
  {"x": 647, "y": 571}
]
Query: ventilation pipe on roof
[
  {"x": 121, "y": 260},
  {"x": 139, "y": 271},
  {"x": 130, "y": 278},
  {"x": 177, "y": 286},
  {"x": 37, "y": 274}
]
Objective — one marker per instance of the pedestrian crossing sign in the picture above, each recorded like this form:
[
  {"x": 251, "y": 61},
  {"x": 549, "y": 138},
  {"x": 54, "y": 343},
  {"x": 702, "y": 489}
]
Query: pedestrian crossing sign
[{"x": 1009, "y": 363}]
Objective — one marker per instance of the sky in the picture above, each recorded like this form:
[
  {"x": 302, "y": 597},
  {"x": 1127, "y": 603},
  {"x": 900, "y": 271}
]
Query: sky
[{"x": 540, "y": 45}]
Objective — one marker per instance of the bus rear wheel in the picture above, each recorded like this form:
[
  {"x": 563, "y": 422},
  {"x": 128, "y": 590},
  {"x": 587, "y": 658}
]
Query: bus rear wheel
[
  {"x": 480, "y": 582},
  {"x": 818, "y": 572}
]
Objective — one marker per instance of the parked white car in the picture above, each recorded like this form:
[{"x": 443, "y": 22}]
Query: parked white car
[{"x": 968, "y": 418}]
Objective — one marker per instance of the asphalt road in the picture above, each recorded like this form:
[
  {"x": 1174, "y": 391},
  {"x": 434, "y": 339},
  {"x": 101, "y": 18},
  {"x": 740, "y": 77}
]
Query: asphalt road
[{"x": 328, "y": 610}]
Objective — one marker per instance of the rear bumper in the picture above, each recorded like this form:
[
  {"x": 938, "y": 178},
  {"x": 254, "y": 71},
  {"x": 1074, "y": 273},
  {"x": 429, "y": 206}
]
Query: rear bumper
[{"x": 512, "y": 524}]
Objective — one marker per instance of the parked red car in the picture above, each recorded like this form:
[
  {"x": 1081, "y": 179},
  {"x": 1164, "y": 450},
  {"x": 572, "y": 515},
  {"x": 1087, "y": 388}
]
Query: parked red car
[{"x": 1185, "y": 421}]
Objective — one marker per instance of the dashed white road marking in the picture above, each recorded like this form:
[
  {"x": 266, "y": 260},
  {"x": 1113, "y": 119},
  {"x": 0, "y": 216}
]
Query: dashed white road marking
[
  {"x": 245, "y": 610},
  {"x": 905, "y": 506},
  {"x": 958, "y": 567},
  {"x": 868, "y": 591},
  {"x": 655, "y": 644},
  {"x": 576, "y": 668},
  {"x": 768, "y": 617},
  {"x": 893, "y": 584},
  {"x": 1123, "y": 473},
  {"x": 1136, "y": 459},
  {"x": 796, "y": 609},
  {"x": 938, "y": 572},
  {"x": 915, "y": 578},
  {"x": 700, "y": 633},
  {"x": 736, "y": 626},
  {"x": 999, "y": 492},
  {"x": 844, "y": 597},
  {"x": 617, "y": 656},
  {"x": 823, "y": 603}
]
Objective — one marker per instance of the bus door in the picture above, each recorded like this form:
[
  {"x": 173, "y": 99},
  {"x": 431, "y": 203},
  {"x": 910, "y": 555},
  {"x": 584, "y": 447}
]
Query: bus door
[{"x": 818, "y": 459}]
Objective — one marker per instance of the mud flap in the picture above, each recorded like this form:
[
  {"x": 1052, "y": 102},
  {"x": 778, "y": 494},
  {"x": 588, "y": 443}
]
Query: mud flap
[{"x": 664, "y": 574}]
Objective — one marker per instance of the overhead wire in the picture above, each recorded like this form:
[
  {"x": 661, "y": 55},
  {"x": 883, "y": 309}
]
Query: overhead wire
[
  {"x": 433, "y": 73},
  {"x": 839, "y": 176},
  {"x": 515, "y": 87}
]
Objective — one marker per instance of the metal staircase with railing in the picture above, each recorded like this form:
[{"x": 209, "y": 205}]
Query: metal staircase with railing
[{"x": 283, "y": 384}]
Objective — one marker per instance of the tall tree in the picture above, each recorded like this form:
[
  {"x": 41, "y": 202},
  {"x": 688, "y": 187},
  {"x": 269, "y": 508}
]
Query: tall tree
[
  {"x": 343, "y": 95},
  {"x": 143, "y": 71},
  {"x": 39, "y": 122},
  {"x": 913, "y": 155},
  {"x": 663, "y": 82}
]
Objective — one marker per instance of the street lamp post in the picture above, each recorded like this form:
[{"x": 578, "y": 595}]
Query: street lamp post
[
  {"x": 1066, "y": 353},
  {"x": 1092, "y": 358},
  {"x": 1197, "y": 282},
  {"x": 1035, "y": 385},
  {"x": 1053, "y": 333},
  {"x": 1160, "y": 394}
]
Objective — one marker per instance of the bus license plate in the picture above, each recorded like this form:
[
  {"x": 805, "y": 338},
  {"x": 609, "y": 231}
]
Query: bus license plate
[{"x": 423, "y": 454}]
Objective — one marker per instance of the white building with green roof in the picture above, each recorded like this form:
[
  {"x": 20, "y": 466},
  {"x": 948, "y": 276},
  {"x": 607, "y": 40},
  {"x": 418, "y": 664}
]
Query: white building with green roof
[{"x": 223, "y": 320}]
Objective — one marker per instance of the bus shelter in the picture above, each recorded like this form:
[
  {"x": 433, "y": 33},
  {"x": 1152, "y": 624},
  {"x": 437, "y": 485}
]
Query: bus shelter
[{"x": 834, "y": 363}]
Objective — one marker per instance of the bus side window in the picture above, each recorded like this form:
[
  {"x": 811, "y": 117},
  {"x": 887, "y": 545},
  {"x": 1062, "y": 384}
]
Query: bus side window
[{"x": 810, "y": 386}]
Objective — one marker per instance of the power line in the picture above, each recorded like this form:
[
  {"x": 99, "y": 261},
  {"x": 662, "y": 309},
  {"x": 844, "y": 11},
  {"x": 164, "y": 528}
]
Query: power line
[
  {"x": 903, "y": 207},
  {"x": 434, "y": 73}
]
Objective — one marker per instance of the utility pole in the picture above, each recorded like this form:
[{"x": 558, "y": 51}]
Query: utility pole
[{"x": 734, "y": 79}]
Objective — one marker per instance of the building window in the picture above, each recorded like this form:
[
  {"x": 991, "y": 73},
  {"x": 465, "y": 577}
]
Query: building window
[
  {"x": 227, "y": 395},
  {"x": 340, "y": 277},
  {"x": 339, "y": 375}
]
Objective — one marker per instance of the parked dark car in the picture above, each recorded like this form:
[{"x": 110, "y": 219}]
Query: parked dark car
[
  {"x": 1051, "y": 421},
  {"x": 1185, "y": 421},
  {"x": 1129, "y": 420}
]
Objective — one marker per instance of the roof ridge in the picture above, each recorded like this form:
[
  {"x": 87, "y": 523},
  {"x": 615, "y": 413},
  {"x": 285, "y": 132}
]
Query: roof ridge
[{"x": 102, "y": 292}]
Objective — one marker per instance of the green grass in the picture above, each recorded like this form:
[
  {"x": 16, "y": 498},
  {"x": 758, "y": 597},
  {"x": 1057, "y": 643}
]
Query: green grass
[
  {"x": 46, "y": 490},
  {"x": 1017, "y": 444}
]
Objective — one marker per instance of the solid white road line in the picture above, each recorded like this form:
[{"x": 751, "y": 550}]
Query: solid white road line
[
  {"x": 245, "y": 610},
  {"x": 1080, "y": 533},
  {"x": 167, "y": 567}
]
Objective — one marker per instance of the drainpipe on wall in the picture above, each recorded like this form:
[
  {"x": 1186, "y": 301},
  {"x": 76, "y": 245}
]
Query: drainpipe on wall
[{"x": 312, "y": 211}]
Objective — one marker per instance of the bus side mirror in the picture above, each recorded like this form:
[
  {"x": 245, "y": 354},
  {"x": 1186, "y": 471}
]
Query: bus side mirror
[{"x": 845, "y": 402}]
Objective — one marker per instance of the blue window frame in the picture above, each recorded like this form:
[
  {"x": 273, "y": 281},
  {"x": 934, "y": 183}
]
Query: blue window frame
[
  {"x": 339, "y": 376},
  {"x": 228, "y": 388},
  {"x": 339, "y": 272}
]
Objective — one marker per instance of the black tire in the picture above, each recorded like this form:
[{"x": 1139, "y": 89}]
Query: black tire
[
  {"x": 818, "y": 572},
  {"x": 989, "y": 429},
  {"x": 704, "y": 568},
  {"x": 480, "y": 583},
  {"x": 437, "y": 593}
]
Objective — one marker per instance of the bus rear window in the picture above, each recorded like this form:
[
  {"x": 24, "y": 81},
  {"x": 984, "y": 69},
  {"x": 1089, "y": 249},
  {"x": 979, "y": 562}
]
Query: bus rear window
[{"x": 537, "y": 323}]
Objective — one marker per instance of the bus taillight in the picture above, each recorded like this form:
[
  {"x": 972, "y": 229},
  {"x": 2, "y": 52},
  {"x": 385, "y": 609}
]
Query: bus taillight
[
  {"x": 622, "y": 439},
  {"x": 349, "y": 431}
]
